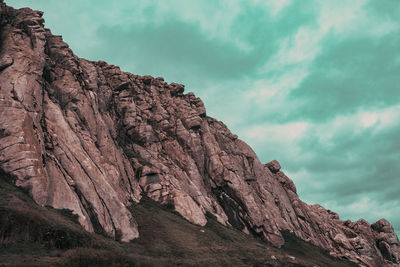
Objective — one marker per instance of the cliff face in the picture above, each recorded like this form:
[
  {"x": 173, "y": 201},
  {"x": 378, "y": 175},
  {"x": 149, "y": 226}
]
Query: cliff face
[{"x": 87, "y": 137}]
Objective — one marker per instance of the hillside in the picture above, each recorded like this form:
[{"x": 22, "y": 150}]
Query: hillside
[{"x": 31, "y": 235}]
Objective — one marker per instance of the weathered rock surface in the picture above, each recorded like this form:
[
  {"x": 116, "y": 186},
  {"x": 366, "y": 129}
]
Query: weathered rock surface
[{"x": 85, "y": 136}]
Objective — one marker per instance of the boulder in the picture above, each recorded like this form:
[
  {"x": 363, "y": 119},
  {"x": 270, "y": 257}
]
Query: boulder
[{"x": 273, "y": 166}]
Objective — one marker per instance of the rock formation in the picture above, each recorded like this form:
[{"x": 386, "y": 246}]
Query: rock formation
[{"x": 85, "y": 136}]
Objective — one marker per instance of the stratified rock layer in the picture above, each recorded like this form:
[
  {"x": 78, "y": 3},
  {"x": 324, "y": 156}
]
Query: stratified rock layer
[{"x": 85, "y": 136}]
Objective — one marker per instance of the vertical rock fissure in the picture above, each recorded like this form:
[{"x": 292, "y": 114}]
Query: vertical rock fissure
[
  {"x": 93, "y": 216},
  {"x": 98, "y": 195}
]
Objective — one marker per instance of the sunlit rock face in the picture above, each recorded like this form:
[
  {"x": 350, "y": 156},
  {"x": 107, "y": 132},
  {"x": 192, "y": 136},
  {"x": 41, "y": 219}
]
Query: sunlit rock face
[{"x": 87, "y": 137}]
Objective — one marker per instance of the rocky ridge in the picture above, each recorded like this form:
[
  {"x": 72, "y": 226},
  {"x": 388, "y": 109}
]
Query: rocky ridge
[{"x": 85, "y": 136}]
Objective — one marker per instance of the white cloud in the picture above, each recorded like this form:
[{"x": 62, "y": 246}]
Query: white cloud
[
  {"x": 274, "y": 90},
  {"x": 365, "y": 207},
  {"x": 376, "y": 119},
  {"x": 346, "y": 18},
  {"x": 388, "y": 117},
  {"x": 273, "y": 6},
  {"x": 275, "y": 141},
  {"x": 369, "y": 119},
  {"x": 286, "y": 132},
  {"x": 298, "y": 51},
  {"x": 340, "y": 15}
]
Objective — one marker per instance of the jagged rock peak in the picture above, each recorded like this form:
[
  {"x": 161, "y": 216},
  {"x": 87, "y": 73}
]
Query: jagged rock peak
[
  {"x": 85, "y": 136},
  {"x": 273, "y": 166}
]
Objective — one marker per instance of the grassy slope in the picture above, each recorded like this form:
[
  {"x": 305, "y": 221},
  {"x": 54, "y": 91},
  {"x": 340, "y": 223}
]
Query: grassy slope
[{"x": 36, "y": 236}]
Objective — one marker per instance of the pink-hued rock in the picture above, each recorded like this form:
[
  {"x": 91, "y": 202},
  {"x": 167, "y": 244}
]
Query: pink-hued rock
[
  {"x": 273, "y": 166},
  {"x": 85, "y": 136}
]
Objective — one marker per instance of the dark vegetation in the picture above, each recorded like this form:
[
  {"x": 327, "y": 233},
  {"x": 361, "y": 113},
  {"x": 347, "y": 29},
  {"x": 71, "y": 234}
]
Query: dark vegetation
[{"x": 40, "y": 236}]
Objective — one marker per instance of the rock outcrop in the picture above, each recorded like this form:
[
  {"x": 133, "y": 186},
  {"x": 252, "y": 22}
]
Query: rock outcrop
[{"x": 85, "y": 136}]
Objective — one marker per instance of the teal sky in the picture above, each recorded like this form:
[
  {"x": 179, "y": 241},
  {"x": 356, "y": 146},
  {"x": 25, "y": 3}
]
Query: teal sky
[{"x": 313, "y": 84}]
